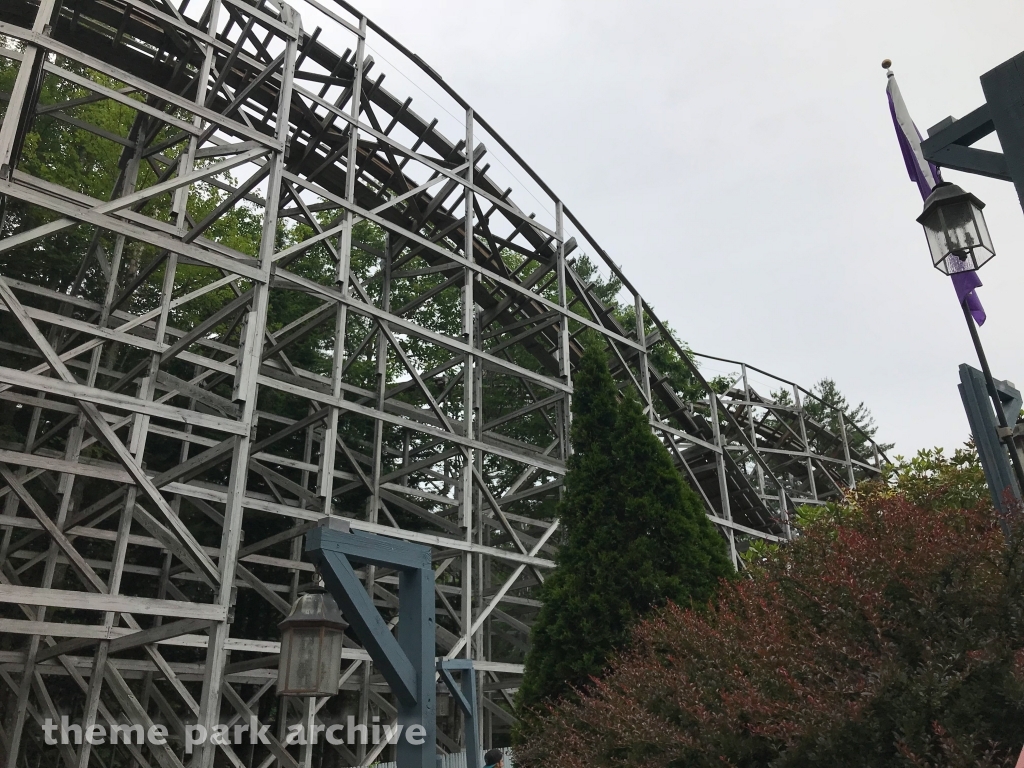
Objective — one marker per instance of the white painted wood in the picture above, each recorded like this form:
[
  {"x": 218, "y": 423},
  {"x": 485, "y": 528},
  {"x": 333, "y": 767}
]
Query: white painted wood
[{"x": 88, "y": 601}]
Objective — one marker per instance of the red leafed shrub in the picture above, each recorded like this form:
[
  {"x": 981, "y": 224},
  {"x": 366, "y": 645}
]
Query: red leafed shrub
[{"x": 891, "y": 634}]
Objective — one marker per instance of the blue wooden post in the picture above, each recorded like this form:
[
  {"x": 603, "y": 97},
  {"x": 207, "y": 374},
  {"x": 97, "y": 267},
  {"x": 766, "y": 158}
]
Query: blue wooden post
[
  {"x": 407, "y": 663},
  {"x": 991, "y": 449},
  {"x": 416, "y": 637},
  {"x": 465, "y": 697}
]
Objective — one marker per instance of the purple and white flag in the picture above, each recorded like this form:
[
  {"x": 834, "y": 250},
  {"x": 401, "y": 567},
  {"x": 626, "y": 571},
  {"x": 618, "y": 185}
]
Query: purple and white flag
[{"x": 927, "y": 176}]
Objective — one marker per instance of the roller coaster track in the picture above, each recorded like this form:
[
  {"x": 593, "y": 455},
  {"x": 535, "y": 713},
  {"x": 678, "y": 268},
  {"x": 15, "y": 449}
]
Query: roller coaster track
[{"x": 159, "y": 465}]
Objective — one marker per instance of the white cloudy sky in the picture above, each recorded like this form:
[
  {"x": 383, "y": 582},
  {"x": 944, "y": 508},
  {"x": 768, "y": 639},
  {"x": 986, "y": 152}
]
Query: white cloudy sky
[{"x": 738, "y": 160}]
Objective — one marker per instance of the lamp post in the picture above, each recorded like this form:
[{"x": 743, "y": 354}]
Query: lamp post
[
  {"x": 959, "y": 241},
  {"x": 311, "y": 639}
]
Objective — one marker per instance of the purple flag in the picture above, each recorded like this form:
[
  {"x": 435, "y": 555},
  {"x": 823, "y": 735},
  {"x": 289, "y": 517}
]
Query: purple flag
[{"x": 927, "y": 176}]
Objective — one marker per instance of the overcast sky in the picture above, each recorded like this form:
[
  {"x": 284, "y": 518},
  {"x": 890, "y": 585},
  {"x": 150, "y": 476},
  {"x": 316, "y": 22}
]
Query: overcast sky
[{"x": 738, "y": 160}]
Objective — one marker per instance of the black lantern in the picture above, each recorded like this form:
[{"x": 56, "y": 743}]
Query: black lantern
[
  {"x": 955, "y": 227},
  {"x": 311, "y": 636}
]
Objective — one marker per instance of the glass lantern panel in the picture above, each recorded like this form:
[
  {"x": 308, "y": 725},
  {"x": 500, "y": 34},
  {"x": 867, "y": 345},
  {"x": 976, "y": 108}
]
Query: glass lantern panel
[
  {"x": 936, "y": 240},
  {"x": 981, "y": 257},
  {"x": 954, "y": 263},
  {"x": 303, "y": 659},
  {"x": 986, "y": 251},
  {"x": 958, "y": 225},
  {"x": 282, "y": 664},
  {"x": 979, "y": 220},
  {"x": 937, "y": 247},
  {"x": 330, "y": 662}
]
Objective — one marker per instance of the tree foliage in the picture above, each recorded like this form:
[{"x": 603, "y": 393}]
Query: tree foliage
[
  {"x": 932, "y": 480},
  {"x": 889, "y": 634},
  {"x": 823, "y": 407},
  {"x": 634, "y": 537}
]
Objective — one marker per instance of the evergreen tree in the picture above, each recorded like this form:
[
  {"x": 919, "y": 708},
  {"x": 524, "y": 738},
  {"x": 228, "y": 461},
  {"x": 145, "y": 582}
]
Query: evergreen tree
[
  {"x": 888, "y": 635},
  {"x": 634, "y": 536},
  {"x": 824, "y": 406}
]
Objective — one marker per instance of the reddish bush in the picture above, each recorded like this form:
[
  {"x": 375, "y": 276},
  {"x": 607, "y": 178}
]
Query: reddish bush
[{"x": 889, "y": 637}]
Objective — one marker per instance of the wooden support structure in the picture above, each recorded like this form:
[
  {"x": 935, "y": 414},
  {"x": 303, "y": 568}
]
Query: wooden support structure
[{"x": 303, "y": 295}]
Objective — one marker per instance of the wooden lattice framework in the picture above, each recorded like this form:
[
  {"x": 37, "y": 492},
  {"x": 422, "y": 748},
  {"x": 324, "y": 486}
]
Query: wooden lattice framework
[{"x": 163, "y": 465}]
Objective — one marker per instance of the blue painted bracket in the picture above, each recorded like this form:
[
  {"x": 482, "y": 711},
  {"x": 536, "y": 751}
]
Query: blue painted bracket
[
  {"x": 982, "y": 418},
  {"x": 465, "y": 697},
  {"x": 405, "y": 661}
]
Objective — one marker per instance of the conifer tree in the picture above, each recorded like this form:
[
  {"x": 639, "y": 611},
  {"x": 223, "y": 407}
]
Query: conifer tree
[{"x": 634, "y": 536}]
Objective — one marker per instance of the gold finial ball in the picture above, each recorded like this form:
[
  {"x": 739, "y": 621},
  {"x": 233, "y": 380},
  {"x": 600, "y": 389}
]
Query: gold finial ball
[{"x": 886, "y": 63}]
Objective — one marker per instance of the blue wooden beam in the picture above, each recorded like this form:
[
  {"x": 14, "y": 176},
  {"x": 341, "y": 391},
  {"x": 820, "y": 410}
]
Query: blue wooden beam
[
  {"x": 405, "y": 661},
  {"x": 465, "y": 697}
]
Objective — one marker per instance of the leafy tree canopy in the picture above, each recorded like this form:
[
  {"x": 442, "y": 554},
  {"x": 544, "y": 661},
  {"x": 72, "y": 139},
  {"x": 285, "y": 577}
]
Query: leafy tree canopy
[{"x": 887, "y": 635}]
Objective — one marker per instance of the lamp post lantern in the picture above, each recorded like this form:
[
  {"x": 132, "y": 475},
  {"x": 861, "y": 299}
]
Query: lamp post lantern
[
  {"x": 960, "y": 244},
  {"x": 955, "y": 228},
  {"x": 959, "y": 241},
  {"x": 311, "y": 639}
]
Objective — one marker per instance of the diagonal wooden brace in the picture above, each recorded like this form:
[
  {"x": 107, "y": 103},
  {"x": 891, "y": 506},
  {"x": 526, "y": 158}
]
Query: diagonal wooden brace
[{"x": 179, "y": 539}]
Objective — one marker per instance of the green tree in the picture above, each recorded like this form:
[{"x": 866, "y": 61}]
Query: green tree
[
  {"x": 830, "y": 402},
  {"x": 823, "y": 406},
  {"x": 634, "y": 537},
  {"x": 935, "y": 481},
  {"x": 887, "y": 636}
]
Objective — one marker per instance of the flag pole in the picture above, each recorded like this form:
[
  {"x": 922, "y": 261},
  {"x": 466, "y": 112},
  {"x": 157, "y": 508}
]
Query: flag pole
[{"x": 927, "y": 178}]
